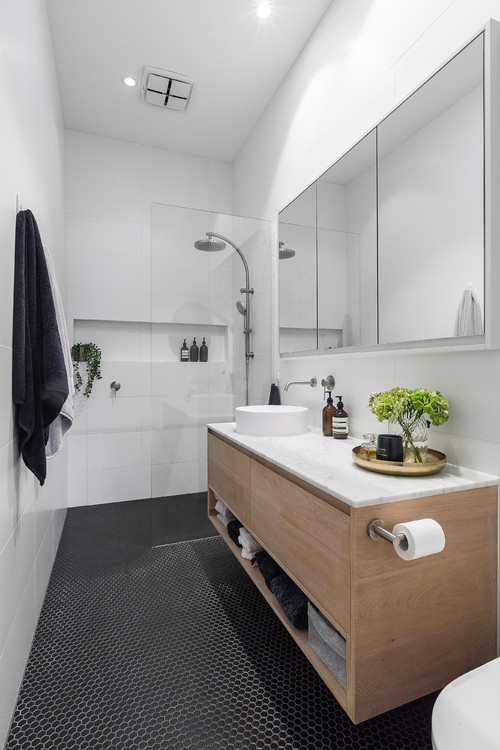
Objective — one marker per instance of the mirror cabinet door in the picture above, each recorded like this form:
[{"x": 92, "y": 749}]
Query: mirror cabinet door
[
  {"x": 297, "y": 274},
  {"x": 431, "y": 207},
  {"x": 347, "y": 249},
  {"x": 388, "y": 245}
]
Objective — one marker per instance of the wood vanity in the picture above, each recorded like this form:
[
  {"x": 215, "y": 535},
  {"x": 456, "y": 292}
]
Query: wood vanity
[{"x": 410, "y": 626}]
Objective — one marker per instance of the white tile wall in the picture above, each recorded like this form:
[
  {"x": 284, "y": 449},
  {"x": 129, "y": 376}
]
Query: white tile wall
[
  {"x": 31, "y": 165},
  {"x": 158, "y": 203}
]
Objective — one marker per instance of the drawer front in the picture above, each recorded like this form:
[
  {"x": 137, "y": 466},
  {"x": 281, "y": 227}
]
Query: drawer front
[
  {"x": 229, "y": 477},
  {"x": 310, "y": 537}
]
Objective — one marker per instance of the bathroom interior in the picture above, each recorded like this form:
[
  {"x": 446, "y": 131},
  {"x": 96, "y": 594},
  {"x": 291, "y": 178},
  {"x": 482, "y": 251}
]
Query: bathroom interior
[{"x": 293, "y": 158}]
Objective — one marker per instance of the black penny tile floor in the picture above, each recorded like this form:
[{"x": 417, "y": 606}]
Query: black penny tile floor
[{"x": 173, "y": 648}]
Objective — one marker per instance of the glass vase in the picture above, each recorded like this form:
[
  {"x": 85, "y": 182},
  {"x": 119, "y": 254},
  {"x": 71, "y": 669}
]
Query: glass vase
[{"x": 413, "y": 430}]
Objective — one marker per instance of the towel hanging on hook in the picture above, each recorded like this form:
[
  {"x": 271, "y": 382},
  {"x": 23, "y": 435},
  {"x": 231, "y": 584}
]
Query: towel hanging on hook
[{"x": 469, "y": 320}]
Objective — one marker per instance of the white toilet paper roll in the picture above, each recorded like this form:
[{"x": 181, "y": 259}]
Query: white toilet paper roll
[{"x": 425, "y": 537}]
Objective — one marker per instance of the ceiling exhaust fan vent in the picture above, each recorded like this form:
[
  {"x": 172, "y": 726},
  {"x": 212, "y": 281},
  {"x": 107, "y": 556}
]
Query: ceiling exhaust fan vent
[{"x": 162, "y": 88}]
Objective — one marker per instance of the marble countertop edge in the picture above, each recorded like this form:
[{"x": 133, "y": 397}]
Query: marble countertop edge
[{"x": 327, "y": 464}]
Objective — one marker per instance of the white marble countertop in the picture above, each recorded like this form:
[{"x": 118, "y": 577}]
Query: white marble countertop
[{"x": 327, "y": 464}]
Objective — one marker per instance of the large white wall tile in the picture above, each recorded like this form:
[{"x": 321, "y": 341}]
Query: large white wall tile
[
  {"x": 92, "y": 234},
  {"x": 118, "y": 485},
  {"x": 106, "y": 200},
  {"x": 103, "y": 159},
  {"x": 15, "y": 654},
  {"x": 112, "y": 451},
  {"x": 16, "y": 565}
]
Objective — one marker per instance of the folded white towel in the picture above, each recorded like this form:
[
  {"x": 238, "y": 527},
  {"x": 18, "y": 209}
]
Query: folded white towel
[
  {"x": 224, "y": 514},
  {"x": 249, "y": 545}
]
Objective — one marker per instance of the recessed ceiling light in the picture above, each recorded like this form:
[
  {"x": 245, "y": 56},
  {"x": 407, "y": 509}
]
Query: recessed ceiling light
[
  {"x": 263, "y": 10},
  {"x": 128, "y": 81}
]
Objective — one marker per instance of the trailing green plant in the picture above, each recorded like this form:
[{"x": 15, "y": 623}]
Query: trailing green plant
[
  {"x": 91, "y": 355},
  {"x": 407, "y": 407}
]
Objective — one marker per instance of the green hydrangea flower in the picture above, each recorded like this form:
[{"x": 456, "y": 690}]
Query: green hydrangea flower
[{"x": 404, "y": 402}]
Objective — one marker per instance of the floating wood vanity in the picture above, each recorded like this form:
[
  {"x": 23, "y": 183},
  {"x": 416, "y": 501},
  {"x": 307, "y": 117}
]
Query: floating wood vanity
[{"x": 410, "y": 626}]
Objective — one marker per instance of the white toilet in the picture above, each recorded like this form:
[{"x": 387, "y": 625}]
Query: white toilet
[{"x": 466, "y": 714}]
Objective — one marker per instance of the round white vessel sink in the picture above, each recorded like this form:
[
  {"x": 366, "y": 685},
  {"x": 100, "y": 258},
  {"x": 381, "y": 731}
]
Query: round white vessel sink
[{"x": 271, "y": 420}]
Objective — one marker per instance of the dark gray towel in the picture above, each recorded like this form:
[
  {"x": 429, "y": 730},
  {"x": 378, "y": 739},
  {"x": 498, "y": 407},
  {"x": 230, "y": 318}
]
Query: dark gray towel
[
  {"x": 39, "y": 377},
  {"x": 274, "y": 396},
  {"x": 291, "y": 599},
  {"x": 268, "y": 567},
  {"x": 233, "y": 529}
]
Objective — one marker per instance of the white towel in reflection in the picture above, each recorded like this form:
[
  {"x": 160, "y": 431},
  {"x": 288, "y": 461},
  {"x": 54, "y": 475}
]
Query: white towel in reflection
[
  {"x": 249, "y": 545},
  {"x": 469, "y": 320}
]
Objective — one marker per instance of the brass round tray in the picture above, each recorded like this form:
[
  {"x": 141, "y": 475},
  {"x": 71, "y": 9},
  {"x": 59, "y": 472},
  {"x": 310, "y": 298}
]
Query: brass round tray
[{"x": 435, "y": 462}]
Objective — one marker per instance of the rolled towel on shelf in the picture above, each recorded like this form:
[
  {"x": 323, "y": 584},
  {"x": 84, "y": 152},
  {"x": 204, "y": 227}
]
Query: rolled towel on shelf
[
  {"x": 268, "y": 567},
  {"x": 291, "y": 599},
  {"x": 249, "y": 545},
  {"x": 233, "y": 529}
]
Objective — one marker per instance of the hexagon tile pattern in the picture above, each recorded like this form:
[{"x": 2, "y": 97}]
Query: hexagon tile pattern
[{"x": 173, "y": 648}]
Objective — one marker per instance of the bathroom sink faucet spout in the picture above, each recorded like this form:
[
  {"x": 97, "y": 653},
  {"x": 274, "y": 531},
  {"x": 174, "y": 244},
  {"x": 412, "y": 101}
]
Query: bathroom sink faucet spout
[{"x": 313, "y": 383}]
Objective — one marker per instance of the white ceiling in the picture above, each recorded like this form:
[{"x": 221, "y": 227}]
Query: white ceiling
[{"x": 236, "y": 60}]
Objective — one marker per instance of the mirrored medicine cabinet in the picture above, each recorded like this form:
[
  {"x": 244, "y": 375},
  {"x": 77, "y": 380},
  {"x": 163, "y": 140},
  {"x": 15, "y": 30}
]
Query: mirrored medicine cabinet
[{"x": 392, "y": 245}]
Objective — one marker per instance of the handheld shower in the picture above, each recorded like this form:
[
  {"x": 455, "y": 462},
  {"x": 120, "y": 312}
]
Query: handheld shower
[{"x": 214, "y": 243}]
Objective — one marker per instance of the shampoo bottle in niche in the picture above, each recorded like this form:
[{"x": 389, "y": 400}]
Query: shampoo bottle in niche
[
  {"x": 203, "y": 351},
  {"x": 194, "y": 351},
  {"x": 328, "y": 413},
  {"x": 184, "y": 352},
  {"x": 340, "y": 421}
]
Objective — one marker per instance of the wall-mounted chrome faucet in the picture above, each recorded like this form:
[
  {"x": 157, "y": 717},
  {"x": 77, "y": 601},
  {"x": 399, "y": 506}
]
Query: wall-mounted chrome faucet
[{"x": 313, "y": 383}]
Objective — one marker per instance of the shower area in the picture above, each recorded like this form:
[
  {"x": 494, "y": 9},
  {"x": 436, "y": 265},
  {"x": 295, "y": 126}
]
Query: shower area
[{"x": 147, "y": 439}]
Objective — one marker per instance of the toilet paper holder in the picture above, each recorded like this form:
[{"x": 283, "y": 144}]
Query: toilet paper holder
[{"x": 376, "y": 530}]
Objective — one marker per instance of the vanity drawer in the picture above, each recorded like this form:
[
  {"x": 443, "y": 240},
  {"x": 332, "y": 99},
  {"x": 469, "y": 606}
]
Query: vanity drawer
[
  {"x": 229, "y": 477},
  {"x": 307, "y": 535}
]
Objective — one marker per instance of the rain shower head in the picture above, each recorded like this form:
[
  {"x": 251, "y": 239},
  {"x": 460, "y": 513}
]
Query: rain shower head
[
  {"x": 241, "y": 308},
  {"x": 210, "y": 245},
  {"x": 285, "y": 252}
]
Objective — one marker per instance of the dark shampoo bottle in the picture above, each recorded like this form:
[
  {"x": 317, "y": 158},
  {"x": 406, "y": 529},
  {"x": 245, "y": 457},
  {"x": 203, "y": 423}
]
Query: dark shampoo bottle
[
  {"x": 194, "y": 352},
  {"x": 328, "y": 413}
]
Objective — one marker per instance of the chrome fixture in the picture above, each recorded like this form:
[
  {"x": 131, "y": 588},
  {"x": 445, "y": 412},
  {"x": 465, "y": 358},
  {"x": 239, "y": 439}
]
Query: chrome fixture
[
  {"x": 285, "y": 252},
  {"x": 313, "y": 383},
  {"x": 115, "y": 386},
  {"x": 376, "y": 530},
  {"x": 328, "y": 383},
  {"x": 213, "y": 244}
]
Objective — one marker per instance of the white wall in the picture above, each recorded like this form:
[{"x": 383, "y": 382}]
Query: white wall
[
  {"x": 364, "y": 57},
  {"x": 136, "y": 288},
  {"x": 32, "y": 166}
]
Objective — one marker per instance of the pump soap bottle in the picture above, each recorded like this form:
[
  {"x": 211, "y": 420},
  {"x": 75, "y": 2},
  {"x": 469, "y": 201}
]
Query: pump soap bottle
[
  {"x": 328, "y": 413},
  {"x": 184, "y": 352},
  {"x": 194, "y": 351},
  {"x": 203, "y": 351},
  {"x": 340, "y": 421}
]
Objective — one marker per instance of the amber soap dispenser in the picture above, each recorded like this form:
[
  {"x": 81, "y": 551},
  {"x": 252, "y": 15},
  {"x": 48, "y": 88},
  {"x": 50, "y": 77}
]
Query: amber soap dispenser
[
  {"x": 340, "y": 421},
  {"x": 328, "y": 413}
]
